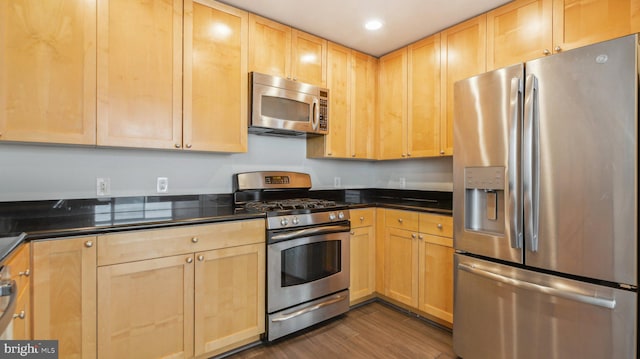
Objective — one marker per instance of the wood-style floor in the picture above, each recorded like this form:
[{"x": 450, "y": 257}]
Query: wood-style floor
[{"x": 374, "y": 330}]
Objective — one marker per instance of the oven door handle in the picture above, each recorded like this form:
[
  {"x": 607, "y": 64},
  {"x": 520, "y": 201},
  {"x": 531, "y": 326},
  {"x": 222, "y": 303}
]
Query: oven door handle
[
  {"x": 314, "y": 231},
  {"x": 305, "y": 310}
]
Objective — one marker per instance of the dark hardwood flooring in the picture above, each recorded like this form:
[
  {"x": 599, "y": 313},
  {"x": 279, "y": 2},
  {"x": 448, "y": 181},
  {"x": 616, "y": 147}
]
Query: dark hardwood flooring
[{"x": 374, "y": 330}]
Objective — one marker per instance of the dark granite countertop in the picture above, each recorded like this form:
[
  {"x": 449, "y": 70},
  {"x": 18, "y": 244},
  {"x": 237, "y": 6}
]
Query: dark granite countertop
[{"x": 30, "y": 220}]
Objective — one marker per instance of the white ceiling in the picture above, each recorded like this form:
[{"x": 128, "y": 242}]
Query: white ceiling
[{"x": 342, "y": 21}]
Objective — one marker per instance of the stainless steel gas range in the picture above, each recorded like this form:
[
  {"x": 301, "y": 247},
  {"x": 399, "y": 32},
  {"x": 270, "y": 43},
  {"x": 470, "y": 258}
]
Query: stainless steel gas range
[{"x": 307, "y": 249}]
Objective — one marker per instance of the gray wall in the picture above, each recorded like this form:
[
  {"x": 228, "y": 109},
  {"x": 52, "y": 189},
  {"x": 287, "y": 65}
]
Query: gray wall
[{"x": 34, "y": 172}]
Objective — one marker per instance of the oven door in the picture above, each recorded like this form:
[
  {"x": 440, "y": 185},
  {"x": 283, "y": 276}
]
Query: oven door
[{"x": 306, "y": 268}]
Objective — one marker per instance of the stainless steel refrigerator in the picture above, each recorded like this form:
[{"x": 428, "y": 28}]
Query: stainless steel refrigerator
[{"x": 545, "y": 207}]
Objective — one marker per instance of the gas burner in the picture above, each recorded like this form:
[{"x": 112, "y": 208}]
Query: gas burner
[{"x": 289, "y": 204}]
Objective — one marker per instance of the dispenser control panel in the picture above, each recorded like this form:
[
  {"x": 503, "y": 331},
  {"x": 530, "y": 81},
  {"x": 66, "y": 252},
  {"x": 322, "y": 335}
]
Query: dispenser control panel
[{"x": 488, "y": 178}]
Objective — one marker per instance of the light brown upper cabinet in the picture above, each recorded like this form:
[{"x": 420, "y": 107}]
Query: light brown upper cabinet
[
  {"x": 140, "y": 73},
  {"x": 215, "y": 77},
  {"x": 580, "y": 22},
  {"x": 279, "y": 50},
  {"x": 351, "y": 81},
  {"x": 47, "y": 71},
  {"x": 463, "y": 55},
  {"x": 392, "y": 102},
  {"x": 423, "y": 131},
  {"x": 518, "y": 32}
]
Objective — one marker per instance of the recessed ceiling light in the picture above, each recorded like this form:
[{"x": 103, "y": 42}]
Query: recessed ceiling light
[{"x": 373, "y": 25}]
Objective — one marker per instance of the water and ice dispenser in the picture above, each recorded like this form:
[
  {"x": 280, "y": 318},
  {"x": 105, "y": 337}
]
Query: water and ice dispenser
[{"x": 484, "y": 199}]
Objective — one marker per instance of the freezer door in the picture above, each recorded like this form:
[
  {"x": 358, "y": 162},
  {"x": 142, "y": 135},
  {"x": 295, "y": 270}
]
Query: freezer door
[
  {"x": 580, "y": 154},
  {"x": 506, "y": 312},
  {"x": 487, "y": 212}
]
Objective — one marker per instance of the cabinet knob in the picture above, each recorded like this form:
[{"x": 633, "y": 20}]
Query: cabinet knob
[
  {"x": 409, "y": 154},
  {"x": 88, "y": 244},
  {"x": 442, "y": 152},
  {"x": 546, "y": 52},
  {"x": 188, "y": 145},
  {"x": 194, "y": 240},
  {"x": 557, "y": 48},
  {"x": 25, "y": 273},
  {"x": 404, "y": 155},
  {"x": 413, "y": 235},
  {"x": 189, "y": 260},
  {"x": 439, "y": 226},
  {"x": 201, "y": 258},
  {"x": 353, "y": 155},
  {"x": 400, "y": 220},
  {"x": 352, "y": 233},
  {"x": 361, "y": 219},
  {"x": 420, "y": 236},
  {"x": 177, "y": 145},
  {"x": 20, "y": 315}
]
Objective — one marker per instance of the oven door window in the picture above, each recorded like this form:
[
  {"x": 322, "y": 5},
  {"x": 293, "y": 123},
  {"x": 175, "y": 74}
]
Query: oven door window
[{"x": 309, "y": 262}]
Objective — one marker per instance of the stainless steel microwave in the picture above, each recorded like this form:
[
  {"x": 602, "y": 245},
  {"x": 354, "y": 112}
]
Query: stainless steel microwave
[{"x": 287, "y": 108}]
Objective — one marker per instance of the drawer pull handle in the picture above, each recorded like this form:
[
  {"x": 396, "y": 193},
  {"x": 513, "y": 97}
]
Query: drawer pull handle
[
  {"x": 439, "y": 226},
  {"x": 25, "y": 273},
  {"x": 361, "y": 219},
  {"x": 20, "y": 315},
  {"x": 194, "y": 240},
  {"x": 400, "y": 220},
  {"x": 88, "y": 244},
  {"x": 352, "y": 233}
]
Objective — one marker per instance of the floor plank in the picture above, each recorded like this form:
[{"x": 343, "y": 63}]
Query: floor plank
[{"x": 374, "y": 330}]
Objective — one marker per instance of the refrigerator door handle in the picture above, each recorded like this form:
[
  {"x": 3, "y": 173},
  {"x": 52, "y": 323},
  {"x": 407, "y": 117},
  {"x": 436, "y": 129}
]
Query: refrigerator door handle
[
  {"x": 531, "y": 163},
  {"x": 577, "y": 297},
  {"x": 515, "y": 220}
]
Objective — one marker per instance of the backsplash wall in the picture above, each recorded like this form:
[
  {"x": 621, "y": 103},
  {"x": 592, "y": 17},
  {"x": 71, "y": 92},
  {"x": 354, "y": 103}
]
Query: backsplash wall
[{"x": 36, "y": 172}]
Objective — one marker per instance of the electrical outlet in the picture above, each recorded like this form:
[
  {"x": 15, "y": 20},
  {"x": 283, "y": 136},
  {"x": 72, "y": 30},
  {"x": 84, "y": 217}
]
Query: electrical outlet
[
  {"x": 336, "y": 182},
  {"x": 103, "y": 186},
  {"x": 162, "y": 185},
  {"x": 403, "y": 182}
]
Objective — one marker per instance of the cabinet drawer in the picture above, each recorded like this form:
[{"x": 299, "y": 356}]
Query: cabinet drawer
[
  {"x": 147, "y": 244},
  {"x": 401, "y": 219},
  {"x": 362, "y": 217},
  {"x": 436, "y": 225}
]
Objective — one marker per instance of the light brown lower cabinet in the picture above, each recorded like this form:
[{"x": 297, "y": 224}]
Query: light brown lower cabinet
[
  {"x": 206, "y": 299},
  {"x": 362, "y": 255},
  {"x": 64, "y": 294},
  {"x": 418, "y": 262}
]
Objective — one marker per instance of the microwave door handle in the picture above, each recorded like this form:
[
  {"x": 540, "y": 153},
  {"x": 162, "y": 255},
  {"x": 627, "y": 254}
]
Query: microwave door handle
[{"x": 315, "y": 114}]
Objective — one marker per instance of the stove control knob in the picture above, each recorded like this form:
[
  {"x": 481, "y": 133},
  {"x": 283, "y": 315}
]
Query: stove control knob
[
  {"x": 332, "y": 216},
  {"x": 295, "y": 220},
  {"x": 284, "y": 222},
  {"x": 340, "y": 215}
]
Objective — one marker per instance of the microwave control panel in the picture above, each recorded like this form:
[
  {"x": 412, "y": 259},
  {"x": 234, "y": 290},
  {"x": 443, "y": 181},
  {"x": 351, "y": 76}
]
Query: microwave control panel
[{"x": 324, "y": 111}]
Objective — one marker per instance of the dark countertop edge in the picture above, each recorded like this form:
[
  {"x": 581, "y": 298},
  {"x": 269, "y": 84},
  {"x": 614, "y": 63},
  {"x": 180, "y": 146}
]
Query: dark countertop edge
[
  {"x": 90, "y": 231},
  {"x": 406, "y": 207}
]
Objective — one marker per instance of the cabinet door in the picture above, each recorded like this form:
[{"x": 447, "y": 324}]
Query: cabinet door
[
  {"x": 364, "y": 88},
  {"x": 518, "y": 32},
  {"x": 339, "y": 75},
  {"x": 229, "y": 298},
  {"x": 424, "y": 98},
  {"x": 392, "y": 99},
  {"x": 308, "y": 58},
  {"x": 64, "y": 294},
  {"x": 140, "y": 73},
  {"x": 578, "y": 22},
  {"x": 436, "y": 277},
  {"x": 401, "y": 266},
  {"x": 463, "y": 55},
  {"x": 215, "y": 77},
  {"x": 362, "y": 263},
  {"x": 269, "y": 47},
  {"x": 48, "y": 71},
  {"x": 145, "y": 309}
]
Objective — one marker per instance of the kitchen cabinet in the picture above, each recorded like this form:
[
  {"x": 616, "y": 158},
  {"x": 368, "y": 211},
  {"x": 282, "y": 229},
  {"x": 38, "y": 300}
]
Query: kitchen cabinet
[
  {"x": 352, "y": 78},
  {"x": 418, "y": 252},
  {"x": 20, "y": 270},
  {"x": 463, "y": 54},
  {"x": 362, "y": 255},
  {"x": 139, "y": 73},
  {"x": 279, "y": 50},
  {"x": 409, "y": 123},
  {"x": 215, "y": 77},
  {"x": 64, "y": 294},
  {"x": 518, "y": 32},
  {"x": 206, "y": 284},
  {"x": 578, "y": 23},
  {"x": 44, "y": 96},
  {"x": 392, "y": 102}
]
